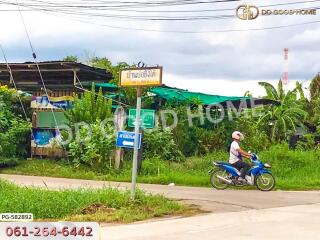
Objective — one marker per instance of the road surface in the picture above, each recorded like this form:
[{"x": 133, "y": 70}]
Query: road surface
[
  {"x": 208, "y": 198},
  {"x": 234, "y": 214},
  {"x": 285, "y": 223}
]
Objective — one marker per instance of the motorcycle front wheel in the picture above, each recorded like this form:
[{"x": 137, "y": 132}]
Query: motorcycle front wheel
[
  {"x": 265, "y": 181},
  {"x": 216, "y": 182}
]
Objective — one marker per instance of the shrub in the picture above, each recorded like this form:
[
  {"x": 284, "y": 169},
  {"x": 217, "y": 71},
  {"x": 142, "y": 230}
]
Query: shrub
[
  {"x": 307, "y": 142},
  {"x": 154, "y": 166},
  {"x": 160, "y": 143},
  {"x": 94, "y": 142},
  {"x": 256, "y": 139},
  {"x": 89, "y": 107},
  {"x": 209, "y": 140},
  {"x": 13, "y": 130},
  {"x": 95, "y": 150},
  {"x": 8, "y": 162}
]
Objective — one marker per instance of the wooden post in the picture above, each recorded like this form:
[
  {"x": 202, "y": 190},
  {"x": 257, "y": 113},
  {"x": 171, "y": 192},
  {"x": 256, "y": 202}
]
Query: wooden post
[{"x": 74, "y": 77}]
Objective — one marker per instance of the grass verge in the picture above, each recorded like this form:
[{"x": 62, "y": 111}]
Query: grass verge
[
  {"x": 293, "y": 170},
  {"x": 104, "y": 205}
]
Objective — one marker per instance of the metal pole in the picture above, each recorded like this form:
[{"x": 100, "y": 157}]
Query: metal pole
[{"x": 136, "y": 144}]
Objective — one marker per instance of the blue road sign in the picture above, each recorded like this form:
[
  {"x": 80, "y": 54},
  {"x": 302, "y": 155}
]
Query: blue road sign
[{"x": 126, "y": 139}]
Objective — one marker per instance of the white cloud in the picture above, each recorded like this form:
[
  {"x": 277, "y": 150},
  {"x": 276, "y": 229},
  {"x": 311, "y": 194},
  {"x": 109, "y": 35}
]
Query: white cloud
[
  {"x": 219, "y": 63},
  {"x": 223, "y": 86}
]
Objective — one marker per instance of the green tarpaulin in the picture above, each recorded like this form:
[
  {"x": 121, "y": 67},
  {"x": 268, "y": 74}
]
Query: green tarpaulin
[
  {"x": 104, "y": 86},
  {"x": 180, "y": 95},
  {"x": 107, "y": 85}
]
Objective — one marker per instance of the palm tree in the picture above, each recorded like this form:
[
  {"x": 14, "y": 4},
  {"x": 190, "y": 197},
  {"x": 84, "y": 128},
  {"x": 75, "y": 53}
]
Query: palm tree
[{"x": 284, "y": 118}]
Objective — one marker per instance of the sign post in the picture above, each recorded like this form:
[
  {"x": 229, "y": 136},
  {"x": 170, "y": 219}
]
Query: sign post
[
  {"x": 139, "y": 77},
  {"x": 136, "y": 144}
]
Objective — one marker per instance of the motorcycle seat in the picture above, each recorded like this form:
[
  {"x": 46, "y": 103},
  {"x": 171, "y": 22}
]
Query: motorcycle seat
[{"x": 224, "y": 163}]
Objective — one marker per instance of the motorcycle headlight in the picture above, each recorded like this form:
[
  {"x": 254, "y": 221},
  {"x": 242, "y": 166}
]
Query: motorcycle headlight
[{"x": 267, "y": 165}]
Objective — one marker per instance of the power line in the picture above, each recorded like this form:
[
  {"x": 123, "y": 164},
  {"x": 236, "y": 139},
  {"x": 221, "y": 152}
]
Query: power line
[
  {"x": 144, "y": 17},
  {"x": 189, "y": 32},
  {"x": 127, "y": 4},
  {"x": 127, "y": 17},
  {"x": 55, "y": 5},
  {"x": 40, "y": 74},
  {"x": 15, "y": 87},
  {"x": 12, "y": 80}
]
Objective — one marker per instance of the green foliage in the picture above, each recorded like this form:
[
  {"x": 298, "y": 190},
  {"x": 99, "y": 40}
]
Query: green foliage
[
  {"x": 315, "y": 87},
  {"x": 256, "y": 139},
  {"x": 70, "y": 205},
  {"x": 206, "y": 141},
  {"x": 293, "y": 169},
  {"x": 13, "y": 130},
  {"x": 104, "y": 63},
  {"x": 159, "y": 143},
  {"x": 71, "y": 58},
  {"x": 154, "y": 166},
  {"x": 297, "y": 169},
  {"x": 13, "y": 141},
  {"x": 8, "y": 162},
  {"x": 89, "y": 107},
  {"x": 281, "y": 120},
  {"x": 93, "y": 143},
  {"x": 306, "y": 143},
  {"x": 200, "y": 138},
  {"x": 93, "y": 146},
  {"x": 128, "y": 93}
]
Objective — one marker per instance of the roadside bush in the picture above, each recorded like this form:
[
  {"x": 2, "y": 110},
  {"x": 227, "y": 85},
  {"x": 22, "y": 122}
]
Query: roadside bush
[
  {"x": 210, "y": 140},
  {"x": 89, "y": 107},
  {"x": 306, "y": 143},
  {"x": 160, "y": 143},
  {"x": 256, "y": 139},
  {"x": 95, "y": 147},
  {"x": 293, "y": 169},
  {"x": 8, "y": 162},
  {"x": 14, "y": 139},
  {"x": 154, "y": 166},
  {"x": 14, "y": 132},
  {"x": 91, "y": 146}
]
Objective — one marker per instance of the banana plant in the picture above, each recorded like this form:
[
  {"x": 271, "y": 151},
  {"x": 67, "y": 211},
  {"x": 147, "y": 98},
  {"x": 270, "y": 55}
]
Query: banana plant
[{"x": 282, "y": 119}]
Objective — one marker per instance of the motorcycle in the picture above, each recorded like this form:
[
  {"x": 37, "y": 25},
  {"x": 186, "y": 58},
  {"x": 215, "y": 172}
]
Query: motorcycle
[{"x": 225, "y": 175}]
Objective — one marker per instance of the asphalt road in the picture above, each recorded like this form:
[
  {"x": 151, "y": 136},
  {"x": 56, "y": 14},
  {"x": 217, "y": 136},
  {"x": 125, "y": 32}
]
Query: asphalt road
[
  {"x": 234, "y": 214},
  {"x": 209, "y": 199}
]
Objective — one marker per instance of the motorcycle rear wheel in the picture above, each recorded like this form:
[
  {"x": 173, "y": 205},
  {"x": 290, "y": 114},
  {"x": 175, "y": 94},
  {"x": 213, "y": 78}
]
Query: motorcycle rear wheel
[
  {"x": 265, "y": 182},
  {"x": 216, "y": 182}
]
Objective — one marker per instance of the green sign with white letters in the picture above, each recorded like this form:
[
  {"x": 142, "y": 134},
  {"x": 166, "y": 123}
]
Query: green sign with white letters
[{"x": 147, "y": 118}]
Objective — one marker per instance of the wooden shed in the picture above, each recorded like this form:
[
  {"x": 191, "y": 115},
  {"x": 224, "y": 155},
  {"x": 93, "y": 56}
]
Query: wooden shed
[{"x": 62, "y": 80}]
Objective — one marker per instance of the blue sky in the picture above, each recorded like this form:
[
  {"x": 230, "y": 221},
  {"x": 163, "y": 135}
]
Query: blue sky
[{"x": 226, "y": 63}]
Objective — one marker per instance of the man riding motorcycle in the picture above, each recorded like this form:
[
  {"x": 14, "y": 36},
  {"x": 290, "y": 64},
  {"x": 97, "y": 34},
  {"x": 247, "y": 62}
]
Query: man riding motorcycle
[{"x": 236, "y": 154}]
